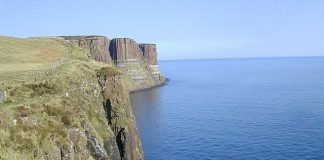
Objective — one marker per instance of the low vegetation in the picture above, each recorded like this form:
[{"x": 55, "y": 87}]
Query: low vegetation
[{"x": 44, "y": 117}]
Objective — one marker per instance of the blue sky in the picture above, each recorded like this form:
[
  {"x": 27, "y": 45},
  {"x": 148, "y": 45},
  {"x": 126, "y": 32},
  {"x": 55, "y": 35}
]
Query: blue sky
[{"x": 182, "y": 29}]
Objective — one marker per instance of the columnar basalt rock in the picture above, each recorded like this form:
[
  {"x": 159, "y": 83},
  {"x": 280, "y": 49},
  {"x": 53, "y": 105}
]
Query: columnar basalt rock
[
  {"x": 97, "y": 46},
  {"x": 124, "y": 50},
  {"x": 149, "y": 53}
]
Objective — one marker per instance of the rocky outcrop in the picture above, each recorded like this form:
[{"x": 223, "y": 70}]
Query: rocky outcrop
[
  {"x": 138, "y": 61},
  {"x": 94, "y": 146},
  {"x": 120, "y": 115},
  {"x": 97, "y": 46},
  {"x": 124, "y": 50},
  {"x": 149, "y": 53},
  {"x": 110, "y": 150}
]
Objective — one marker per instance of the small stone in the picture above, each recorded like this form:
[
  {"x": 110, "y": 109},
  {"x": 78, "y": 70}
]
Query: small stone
[{"x": 3, "y": 96}]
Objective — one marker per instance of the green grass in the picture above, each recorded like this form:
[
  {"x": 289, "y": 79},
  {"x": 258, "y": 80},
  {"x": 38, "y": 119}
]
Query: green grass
[
  {"x": 43, "y": 110},
  {"x": 24, "y": 54},
  {"x": 108, "y": 72},
  {"x": 27, "y": 59},
  {"x": 56, "y": 94},
  {"x": 31, "y": 50},
  {"x": 40, "y": 112}
]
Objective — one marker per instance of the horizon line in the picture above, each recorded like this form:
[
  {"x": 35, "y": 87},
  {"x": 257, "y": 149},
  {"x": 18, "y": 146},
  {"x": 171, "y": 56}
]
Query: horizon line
[{"x": 261, "y": 57}]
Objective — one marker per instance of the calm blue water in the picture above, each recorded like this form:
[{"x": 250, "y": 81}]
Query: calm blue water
[{"x": 271, "y": 108}]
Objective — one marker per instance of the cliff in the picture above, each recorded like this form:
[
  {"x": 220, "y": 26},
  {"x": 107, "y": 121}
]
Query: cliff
[
  {"x": 123, "y": 50},
  {"x": 150, "y": 55},
  {"x": 69, "y": 97},
  {"x": 137, "y": 61},
  {"x": 96, "y": 46},
  {"x": 149, "y": 52}
]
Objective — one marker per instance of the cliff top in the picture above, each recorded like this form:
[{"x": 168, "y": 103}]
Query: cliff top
[
  {"x": 81, "y": 37},
  {"x": 147, "y": 44},
  {"x": 22, "y": 55}
]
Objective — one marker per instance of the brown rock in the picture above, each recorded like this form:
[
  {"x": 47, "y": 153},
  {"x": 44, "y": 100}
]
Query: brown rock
[
  {"x": 97, "y": 46},
  {"x": 149, "y": 53},
  {"x": 124, "y": 50}
]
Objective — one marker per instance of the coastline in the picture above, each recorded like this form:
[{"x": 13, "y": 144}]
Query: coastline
[
  {"x": 86, "y": 98},
  {"x": 148, "y": 87}
]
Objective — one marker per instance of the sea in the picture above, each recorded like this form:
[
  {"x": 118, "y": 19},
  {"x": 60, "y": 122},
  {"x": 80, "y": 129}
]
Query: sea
[{"x": 234, "y": 109}]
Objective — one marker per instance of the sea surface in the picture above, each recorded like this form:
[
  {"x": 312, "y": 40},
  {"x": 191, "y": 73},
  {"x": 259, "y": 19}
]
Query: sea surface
[{"x": 258, "y": 108}]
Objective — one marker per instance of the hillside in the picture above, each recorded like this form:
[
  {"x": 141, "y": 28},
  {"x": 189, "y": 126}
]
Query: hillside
[{"x": 66, "y": 98}]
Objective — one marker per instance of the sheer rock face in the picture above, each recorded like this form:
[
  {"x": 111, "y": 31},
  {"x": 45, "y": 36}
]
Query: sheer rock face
[
  {"x": 96, "y": 46},
  {"x": 138, "y": 61},
  {"x": 124, "y": 50},
  {"x": 120, "y": 118},
  {"x": 149, "y": 53}
]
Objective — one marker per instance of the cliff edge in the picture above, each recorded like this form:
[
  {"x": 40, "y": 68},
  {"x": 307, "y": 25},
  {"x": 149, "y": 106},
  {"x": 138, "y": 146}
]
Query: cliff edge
[
  {"x": 67, "y": 97},
  {"x": 138, "y": 62}
]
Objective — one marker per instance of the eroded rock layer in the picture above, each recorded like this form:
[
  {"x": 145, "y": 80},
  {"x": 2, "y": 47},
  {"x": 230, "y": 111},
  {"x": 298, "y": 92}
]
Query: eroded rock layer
[
  {"x": 138, "y": 61},
  {"x": 150, "y": 55}
]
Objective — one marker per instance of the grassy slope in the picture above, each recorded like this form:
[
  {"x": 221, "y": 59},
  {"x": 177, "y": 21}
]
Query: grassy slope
[
  {"x": 21, "y": 55},
  {"x": 43, "y": 114}
]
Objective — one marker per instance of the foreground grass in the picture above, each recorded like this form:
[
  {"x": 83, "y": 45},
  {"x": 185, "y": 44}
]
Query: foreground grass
[
  {"x": 47, "y": 116},
  {"x": 31, "y": 50},
  {"x": 30, "y": 56}
]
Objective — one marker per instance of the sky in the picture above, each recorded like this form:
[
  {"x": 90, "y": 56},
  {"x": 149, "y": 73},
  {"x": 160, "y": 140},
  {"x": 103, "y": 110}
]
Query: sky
[{"x": 182, "y": 29}]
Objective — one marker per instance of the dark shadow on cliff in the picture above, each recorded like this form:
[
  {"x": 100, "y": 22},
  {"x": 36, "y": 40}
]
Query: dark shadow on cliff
[
  {"x": 108, "y": 108},
  {"x": 113, "y": 51},
  {"x": 121, "y": 143}
]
